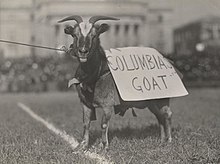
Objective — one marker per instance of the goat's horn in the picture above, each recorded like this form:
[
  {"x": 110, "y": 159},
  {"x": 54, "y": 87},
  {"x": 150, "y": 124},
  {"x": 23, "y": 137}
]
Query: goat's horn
[
  {"x": 97, "y": 18},
  {"x": 77, "y": 18}
]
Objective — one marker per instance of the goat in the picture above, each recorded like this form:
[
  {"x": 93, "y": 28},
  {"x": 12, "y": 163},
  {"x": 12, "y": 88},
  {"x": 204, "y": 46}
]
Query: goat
[{"x": 103, "y": 93}]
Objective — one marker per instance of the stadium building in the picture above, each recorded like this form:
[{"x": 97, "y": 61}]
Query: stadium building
[
  {"x": 35, "y": 22},
  {"x": 202, "y": 35}
]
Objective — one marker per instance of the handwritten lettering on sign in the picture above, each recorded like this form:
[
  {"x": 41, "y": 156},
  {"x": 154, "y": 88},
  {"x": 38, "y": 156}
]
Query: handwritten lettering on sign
[{"x": 142, "y": 73}]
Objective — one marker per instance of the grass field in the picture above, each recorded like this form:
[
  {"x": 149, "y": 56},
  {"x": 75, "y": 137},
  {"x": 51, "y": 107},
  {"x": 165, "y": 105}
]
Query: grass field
[{"x": 196, "y": 131}]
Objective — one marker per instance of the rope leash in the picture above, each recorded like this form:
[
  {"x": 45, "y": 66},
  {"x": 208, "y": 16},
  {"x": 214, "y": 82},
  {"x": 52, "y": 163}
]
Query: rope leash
[{"x": 32, "y": 45}]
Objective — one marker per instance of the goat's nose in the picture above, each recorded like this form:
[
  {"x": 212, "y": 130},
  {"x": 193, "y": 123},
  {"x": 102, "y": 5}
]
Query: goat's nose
[{"x": 83, "y": 50}]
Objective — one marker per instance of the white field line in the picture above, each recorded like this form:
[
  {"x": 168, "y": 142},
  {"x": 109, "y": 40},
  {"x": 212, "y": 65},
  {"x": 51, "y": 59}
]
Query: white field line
[{"x": 69, "y": 139}]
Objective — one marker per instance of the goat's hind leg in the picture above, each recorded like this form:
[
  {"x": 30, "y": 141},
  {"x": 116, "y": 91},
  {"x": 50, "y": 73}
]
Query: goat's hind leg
[
  {"x": 167, "y": 126},
  {"x": 162, "y": 111},
  {"x": 166, "y": 122}
]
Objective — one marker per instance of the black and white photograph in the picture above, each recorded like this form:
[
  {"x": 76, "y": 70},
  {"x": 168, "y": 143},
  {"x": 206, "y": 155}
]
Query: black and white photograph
[{"x": 109, "y": 81}]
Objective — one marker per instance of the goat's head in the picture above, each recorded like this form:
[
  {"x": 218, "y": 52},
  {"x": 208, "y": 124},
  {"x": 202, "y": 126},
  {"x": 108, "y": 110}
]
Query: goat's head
[{"x": 86, "y": 34}]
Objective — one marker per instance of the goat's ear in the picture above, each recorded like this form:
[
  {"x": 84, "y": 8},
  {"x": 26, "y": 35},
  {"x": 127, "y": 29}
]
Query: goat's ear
[{"x": 103, "y": 28}]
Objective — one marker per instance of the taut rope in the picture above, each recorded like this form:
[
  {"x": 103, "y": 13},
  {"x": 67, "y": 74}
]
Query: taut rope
[{"x": 32, "y": 45}]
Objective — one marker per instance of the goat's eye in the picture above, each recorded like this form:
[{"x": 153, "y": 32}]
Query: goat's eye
[
  {"x": 77, "y": 32},
  {"x": 93, "y": 35},
  {"x": 93, "y": 32},
  {"x": 77, "y": 35}
]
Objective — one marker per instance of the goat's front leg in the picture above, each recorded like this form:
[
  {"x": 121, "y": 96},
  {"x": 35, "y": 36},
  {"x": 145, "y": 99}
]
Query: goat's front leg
[
  {"x": 107, "y": 112},
  {"x": 86, "y": 125}
]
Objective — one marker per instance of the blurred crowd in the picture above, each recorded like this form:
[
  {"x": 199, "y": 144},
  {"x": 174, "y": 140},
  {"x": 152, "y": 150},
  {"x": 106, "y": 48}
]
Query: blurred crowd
[
  {"x": 202, "y": 69},
  {"x": 37, "y": 74}
]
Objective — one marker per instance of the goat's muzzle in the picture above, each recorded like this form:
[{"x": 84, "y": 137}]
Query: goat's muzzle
[{"x": 83, "y": 55}]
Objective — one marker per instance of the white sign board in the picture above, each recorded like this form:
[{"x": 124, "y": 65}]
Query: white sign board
[{"x": 142, "y": 73}]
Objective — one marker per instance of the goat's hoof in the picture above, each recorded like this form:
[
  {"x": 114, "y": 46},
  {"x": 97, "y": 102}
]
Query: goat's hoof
[
  {"x": 165, "y": 141},
  {"x": 162, "y": 140},
  {"x": 169, "y": 140},
  {"x": 103, "y": 147},
  {"x": 82, "y": 147}
]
